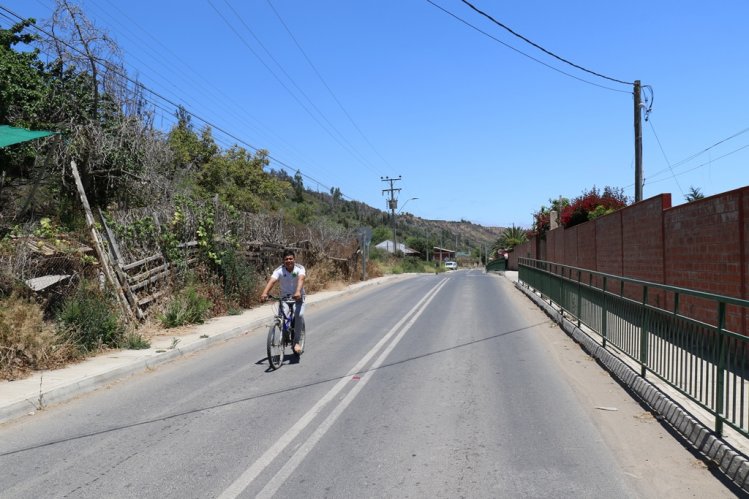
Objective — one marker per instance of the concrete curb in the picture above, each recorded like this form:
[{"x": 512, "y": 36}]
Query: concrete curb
[
  {"x": 73, "y": 386},
  {"x": 732, "y": 463},
  {"x": 89, "y": 384}
]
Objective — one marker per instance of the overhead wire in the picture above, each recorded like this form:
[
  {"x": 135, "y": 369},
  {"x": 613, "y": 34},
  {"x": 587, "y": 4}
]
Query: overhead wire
[
  {"x": 539, "y": 47},
  {"x": 458, "y": 18},
  {"x": 352, "y": 149},
  {"x": 703, "y": 151},
  {"x": 207, "y": 89},
  {"x": 325, "y": 84},
  {"x": 707, "y": 163},
  {"x": 673, "y": 175},
  {"x": 109, "y": 67},
  {"x": 292, "y": 94}
]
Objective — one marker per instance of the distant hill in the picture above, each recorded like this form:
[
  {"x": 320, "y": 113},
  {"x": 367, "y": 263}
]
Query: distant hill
[
  {"x": 463, "y": 236},
  {"x": 451, "y": 235}
]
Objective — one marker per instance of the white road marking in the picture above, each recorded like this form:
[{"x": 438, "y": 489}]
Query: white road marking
[{"x": 244, "y": 481}]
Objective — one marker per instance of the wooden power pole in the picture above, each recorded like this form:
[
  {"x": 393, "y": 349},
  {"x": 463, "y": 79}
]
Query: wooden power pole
[
  {"x": 638, "y": 142},
  {"x": 392, "y": 204}
]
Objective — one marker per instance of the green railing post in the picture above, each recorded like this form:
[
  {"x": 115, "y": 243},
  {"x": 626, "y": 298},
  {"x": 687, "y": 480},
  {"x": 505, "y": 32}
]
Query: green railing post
[
  {"x": 604, "y": 314},
  {"x": 721, "y": 374},
  {"x": 644, "y": 334},
  {"x": 579, "y": 298}
]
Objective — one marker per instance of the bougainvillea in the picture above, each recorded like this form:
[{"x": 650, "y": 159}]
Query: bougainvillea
[{"x": 592, "y": 204}]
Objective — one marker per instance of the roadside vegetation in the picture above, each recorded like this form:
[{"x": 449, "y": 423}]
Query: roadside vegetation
[{"x": 156, "y": 190}]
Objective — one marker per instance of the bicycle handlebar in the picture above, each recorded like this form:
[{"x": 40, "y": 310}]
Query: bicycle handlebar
[{"x": 286, "y": 299}]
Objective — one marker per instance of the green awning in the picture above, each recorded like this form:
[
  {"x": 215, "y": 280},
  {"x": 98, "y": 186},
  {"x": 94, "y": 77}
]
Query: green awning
[{"x": 11, "y": 135}]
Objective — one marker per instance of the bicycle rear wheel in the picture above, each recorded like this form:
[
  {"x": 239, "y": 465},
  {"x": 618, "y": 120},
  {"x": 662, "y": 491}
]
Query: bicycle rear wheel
[{"x": 275, "y": 347}]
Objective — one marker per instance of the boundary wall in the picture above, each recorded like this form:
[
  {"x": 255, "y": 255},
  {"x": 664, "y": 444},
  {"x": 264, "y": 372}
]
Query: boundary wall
[{"x": 702, "y": 245}]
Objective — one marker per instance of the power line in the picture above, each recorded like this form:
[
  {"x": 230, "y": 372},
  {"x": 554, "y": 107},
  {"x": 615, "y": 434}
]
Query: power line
[
  {"x": 541, "y": 48},
  {"x": 707, "y": 163},
  {"x": 665, "y": 157},
  {"x": 523, "y": 53},
  {"x": 212, "y": 92},
  {"x": 104, "y": 64},
  {"x": 703, "y": 151},
  {"x": 351, "y": 148},
  {"x": 322, "y": 80},
  {"x": 346, "y": 146}
]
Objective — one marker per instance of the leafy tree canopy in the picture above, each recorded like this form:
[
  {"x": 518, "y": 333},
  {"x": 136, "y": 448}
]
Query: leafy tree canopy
[{"x": 239, "y": 180}]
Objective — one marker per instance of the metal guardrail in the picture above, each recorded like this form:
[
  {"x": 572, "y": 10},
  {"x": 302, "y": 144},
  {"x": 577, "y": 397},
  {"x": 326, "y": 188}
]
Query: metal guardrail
[
  {"x": 497, "y": 265},
  {"x": 655, "y": 325}
]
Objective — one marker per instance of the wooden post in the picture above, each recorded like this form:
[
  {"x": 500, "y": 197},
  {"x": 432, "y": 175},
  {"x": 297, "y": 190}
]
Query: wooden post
[
  {"x": 100, "y": 251},
  {"x": 118, "y": 263}
]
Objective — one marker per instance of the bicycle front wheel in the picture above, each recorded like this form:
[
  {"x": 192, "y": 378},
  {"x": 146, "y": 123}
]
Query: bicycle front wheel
[{"x": 275, "y": 347}]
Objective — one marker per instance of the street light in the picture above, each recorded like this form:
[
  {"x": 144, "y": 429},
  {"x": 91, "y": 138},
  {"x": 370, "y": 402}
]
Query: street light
[
  {"x": 404, "y": 204},
  {"x": 395, "y": 223}
]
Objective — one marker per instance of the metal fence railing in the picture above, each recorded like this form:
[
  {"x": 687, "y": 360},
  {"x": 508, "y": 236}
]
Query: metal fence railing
[{"x": 695, "y": 342}]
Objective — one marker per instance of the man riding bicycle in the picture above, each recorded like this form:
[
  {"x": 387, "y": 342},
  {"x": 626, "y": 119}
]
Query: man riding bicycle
[{"x": 291, "y": 277}]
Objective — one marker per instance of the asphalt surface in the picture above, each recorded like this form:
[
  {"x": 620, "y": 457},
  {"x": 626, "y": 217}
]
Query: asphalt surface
[
  {"x": 22, "y": 398},
  {"x": 26, "y": 396}
]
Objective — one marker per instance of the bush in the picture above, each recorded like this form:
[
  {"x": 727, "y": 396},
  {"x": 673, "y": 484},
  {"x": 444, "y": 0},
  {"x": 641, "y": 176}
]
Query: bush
[
  {"x": 409, "y": 265},
  {"x": 592, "y": 204},
  {"x": 322, "y": 275},
  {"x": 135, "y": 341},
  {"x": 240, "y": 279},
  {"x": 26, "y": 341},
  {"x": 89, "y": 319},
  {"x": 188, "y": 307}
]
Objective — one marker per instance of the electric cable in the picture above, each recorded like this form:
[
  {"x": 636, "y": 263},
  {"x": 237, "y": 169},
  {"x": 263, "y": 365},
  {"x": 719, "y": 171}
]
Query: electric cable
[
  {"x": 523, "y": 53},
  {"x": 552, "y": 54},
  {"x": 325, "y": 84},
  {"x": 138, "y": 84}
]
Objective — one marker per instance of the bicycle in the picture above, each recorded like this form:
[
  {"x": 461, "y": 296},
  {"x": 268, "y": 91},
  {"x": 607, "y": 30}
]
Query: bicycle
[{"x": 281, "y": 333}]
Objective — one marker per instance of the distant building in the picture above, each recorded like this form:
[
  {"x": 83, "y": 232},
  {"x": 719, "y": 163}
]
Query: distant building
[
  {"x": 442, "y": 254},
  {"x": 388, "y": 246}
]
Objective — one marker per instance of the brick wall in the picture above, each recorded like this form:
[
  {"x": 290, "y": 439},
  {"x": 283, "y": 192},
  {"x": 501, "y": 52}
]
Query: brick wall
[{"x": 703, "y": 245}]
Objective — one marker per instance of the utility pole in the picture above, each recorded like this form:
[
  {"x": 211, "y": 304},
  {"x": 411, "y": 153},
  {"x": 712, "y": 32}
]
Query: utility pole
[
  {"x": 392, "y": 203},
  {"x": 638, "y": 142}
]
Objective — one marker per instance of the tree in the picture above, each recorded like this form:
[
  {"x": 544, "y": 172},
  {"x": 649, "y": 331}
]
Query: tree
[
  {"x": 191, "y": 152},
  {"x": 511, "y": 237},
  {"x": 381, "y": 233},
  {"x": 419, "y": 244},
  {"x": 694, "y": 194},
  {"x": 298, "y": 186},
  {"x": 542, "y": 218},
  {"x": 239, "y": 180}
]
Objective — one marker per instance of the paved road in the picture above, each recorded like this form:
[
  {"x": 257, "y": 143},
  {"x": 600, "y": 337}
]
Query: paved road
[{"x": 435, "y": 386}]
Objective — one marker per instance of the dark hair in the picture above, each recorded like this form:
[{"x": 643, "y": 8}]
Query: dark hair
[{"x": 288, "y": 252}]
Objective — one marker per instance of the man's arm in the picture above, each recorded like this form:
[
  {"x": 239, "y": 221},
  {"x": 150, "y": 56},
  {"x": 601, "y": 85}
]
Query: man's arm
[
  {"x": 264, "y": 294},
  {"x": 299, "y": 286}
]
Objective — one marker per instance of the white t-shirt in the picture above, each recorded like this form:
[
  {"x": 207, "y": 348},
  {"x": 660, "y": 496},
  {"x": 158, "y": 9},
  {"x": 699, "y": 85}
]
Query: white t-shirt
[{"x": 288, "y": 280}]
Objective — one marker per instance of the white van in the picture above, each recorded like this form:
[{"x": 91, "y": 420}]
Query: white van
[{"x": 450, "y": 265}]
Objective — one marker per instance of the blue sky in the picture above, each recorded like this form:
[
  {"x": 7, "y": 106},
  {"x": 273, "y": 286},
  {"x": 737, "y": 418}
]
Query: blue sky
[{"x": 479, "y": 126}]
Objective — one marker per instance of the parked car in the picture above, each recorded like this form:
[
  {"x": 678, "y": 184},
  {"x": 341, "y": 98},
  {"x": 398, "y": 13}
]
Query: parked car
[{"x": 450, "y": 265}]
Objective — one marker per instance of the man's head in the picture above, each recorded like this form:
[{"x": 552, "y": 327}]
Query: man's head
[{"x": 288, "y": 259}]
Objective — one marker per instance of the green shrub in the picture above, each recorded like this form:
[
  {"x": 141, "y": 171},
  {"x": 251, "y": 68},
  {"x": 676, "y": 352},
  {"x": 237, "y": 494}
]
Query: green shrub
[
  {"x": 409, "y": 264},
  {"x": 89, "y": 319},
  {"x": 188, "y": 307},
  {"x": 240, "y": 279},
  {"x": 135, "y": 341}
]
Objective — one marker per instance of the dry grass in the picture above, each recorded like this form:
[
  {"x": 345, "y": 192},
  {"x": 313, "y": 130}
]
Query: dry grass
[
  {"x": 27, "y": 342},
  {"x": 321, "y": 275}
]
